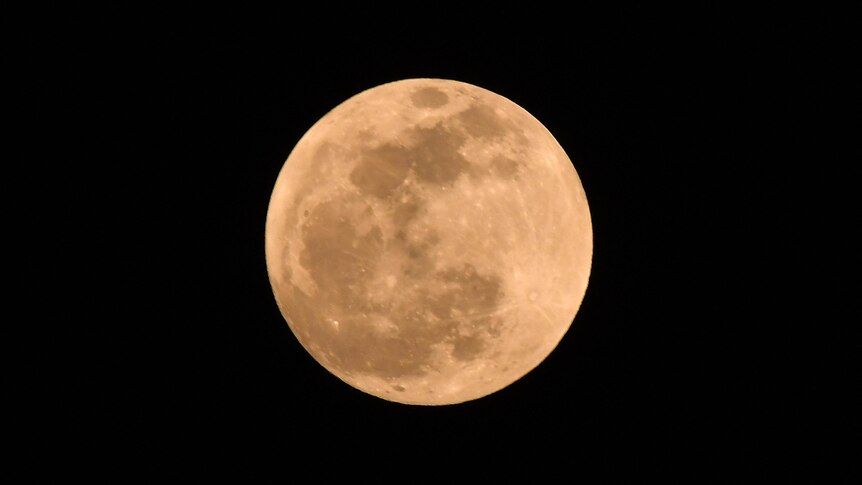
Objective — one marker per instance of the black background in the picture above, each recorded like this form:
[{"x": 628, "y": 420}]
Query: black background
[{"x": 160, "y": 136}]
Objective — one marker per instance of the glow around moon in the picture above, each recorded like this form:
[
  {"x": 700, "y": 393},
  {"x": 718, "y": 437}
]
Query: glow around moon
[{"x": 428, "y": 242}]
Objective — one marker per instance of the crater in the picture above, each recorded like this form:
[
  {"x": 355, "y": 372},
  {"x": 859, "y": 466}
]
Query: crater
[{"x": 429, "y": 97}]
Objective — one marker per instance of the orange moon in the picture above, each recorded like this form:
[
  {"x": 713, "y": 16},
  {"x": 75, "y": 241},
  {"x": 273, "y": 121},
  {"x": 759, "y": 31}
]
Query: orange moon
[{"x": 428, "y": 242}]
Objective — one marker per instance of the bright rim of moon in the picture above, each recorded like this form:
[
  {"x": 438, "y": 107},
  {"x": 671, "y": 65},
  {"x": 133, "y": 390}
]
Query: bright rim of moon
[{"x": 428, "y": 242}]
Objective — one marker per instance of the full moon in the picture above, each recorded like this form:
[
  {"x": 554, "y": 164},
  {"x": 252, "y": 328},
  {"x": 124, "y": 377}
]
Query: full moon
[{"x": 428, "y": 242}]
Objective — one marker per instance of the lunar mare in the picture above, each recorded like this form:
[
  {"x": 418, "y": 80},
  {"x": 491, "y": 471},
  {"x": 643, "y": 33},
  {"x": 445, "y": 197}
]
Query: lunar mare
[{"x": 428, "y": 242}]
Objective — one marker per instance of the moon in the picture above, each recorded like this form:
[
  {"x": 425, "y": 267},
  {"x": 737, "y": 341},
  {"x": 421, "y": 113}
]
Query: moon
[{"x": 428, "y": 242}]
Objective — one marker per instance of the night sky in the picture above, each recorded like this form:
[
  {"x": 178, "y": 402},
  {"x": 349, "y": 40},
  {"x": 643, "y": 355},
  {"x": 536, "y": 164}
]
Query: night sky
[{"x": 167, "y": 132}]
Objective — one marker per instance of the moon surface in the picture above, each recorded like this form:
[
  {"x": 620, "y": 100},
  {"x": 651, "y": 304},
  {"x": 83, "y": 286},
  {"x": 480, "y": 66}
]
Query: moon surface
[{"x": 428, "y": 242}]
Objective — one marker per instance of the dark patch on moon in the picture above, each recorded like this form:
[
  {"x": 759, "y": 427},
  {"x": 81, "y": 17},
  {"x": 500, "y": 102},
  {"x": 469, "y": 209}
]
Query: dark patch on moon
[
  {"x": 429, "y": 97},
  {"x": 500, "y": 167},
  {"x": 468, "y": 347},
  {"x": 481, "y": 121},
  {"x": 476, "y": 292},
  {"x": 406, "y": 210},
  {"x": 433, "y": 155},
  {"x": 436, "y": 157},
  {"x": 504, "y": 167},
  {"x": 419, "y": 261},
  {"x": 381, "y": 170},
  {"x": 336, "y": 257}
]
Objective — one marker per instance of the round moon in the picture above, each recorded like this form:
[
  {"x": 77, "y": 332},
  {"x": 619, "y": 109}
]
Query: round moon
[{"x": 428, "y": 242}]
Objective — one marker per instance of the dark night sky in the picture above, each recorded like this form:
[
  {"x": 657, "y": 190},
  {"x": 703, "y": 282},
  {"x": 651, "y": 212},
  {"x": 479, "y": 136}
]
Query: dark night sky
[{"x": 168, "y": 131}]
